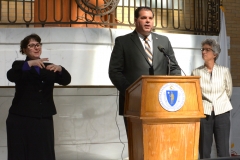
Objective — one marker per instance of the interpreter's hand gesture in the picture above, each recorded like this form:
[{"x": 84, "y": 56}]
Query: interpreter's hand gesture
[
  {"x": 53, "y": 67},
  {"x": 37, "y": 62}
]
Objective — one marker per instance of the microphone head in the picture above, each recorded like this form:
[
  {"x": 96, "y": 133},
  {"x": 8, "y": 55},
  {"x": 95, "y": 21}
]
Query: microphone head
[{"x": 161, "y": 48}]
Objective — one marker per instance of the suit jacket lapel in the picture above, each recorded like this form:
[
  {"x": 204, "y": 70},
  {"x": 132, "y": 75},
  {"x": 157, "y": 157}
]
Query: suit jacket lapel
[
  {"x": 155, "y": 48},
  {"x": 139, "y": 45}
]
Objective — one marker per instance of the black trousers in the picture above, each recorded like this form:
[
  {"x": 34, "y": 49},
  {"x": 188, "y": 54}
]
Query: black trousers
[
  {"x": 30, "y": 138},
  {"x": 219, "y": 126}
]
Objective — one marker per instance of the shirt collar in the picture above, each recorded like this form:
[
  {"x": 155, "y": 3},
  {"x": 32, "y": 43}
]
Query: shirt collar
[
  {"x": 206, "y": 69},
  {"x": 143, "y": 37}
]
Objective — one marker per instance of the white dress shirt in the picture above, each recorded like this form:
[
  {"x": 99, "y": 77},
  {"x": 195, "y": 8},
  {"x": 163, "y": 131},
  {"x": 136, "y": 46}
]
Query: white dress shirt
[{"x": 216, "y": 88}]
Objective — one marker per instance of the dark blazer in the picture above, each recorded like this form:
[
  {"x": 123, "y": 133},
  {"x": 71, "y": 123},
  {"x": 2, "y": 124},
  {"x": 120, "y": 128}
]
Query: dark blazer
[
  {"x": 129, "y": 61},
  {"x": 33, "y": 91}
]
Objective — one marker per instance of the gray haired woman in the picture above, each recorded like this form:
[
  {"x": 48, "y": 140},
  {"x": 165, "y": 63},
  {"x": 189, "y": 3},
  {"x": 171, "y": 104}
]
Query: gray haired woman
[{"x": 216, "y": 86}]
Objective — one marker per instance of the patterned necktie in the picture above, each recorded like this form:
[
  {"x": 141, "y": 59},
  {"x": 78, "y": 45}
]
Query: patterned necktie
[{"x": 148, "y": 50}]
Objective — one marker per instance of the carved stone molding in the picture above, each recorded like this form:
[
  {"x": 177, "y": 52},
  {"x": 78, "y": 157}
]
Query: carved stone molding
[{"x": 100, "y": 8}]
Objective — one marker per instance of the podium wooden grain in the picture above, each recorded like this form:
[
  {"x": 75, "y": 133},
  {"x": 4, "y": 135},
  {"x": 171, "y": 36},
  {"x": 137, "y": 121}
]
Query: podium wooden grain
[{"x": 155, "y": 133}]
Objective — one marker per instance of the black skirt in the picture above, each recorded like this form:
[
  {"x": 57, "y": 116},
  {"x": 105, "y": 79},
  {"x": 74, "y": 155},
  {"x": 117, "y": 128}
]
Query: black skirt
[{"x": 30, "y": 138}]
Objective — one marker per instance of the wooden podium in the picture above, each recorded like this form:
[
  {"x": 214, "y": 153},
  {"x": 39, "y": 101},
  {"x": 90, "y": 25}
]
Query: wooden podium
[{"x": 155, "y": 133}]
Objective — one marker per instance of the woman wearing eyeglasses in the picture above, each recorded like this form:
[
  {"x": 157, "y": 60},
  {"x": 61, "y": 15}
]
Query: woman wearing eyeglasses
[
  {"x": 216, "y": 86},
  {"x": 30, "y": 134}
]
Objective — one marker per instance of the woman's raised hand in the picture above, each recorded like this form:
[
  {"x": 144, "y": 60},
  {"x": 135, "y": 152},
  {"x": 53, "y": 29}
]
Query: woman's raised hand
[
  {"x": 37, "y": 62},
  {"x": 53, "y": 67}
]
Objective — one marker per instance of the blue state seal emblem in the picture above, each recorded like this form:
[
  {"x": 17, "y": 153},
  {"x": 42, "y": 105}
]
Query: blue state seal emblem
[{"x": 171, "y": 97}]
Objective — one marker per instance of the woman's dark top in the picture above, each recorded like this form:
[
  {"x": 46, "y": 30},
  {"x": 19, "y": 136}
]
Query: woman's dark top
[{"x": 34, "y": 89}]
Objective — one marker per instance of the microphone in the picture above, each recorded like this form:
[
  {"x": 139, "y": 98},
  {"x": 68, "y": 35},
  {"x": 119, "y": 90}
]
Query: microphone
[{"x": 161, "y": 49}]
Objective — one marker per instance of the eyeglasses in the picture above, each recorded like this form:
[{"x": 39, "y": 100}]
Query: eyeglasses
[
  {"x": 207, "y": 49},
  {"x": 37, "y": 45}
]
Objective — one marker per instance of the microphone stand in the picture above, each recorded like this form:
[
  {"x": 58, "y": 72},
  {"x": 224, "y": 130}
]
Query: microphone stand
[
  {"x": 170, "y": 59},
  {"x": 168, "y": 65}
]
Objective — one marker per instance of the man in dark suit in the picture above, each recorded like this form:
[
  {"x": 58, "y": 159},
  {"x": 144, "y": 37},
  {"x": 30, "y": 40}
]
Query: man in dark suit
[{"x": 130, "y": 60}]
